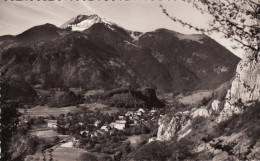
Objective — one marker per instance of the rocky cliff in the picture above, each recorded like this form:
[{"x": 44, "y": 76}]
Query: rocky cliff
[
  {"x": 228, "y": 136},
  {"x": 244, "y": 91},
  {"x": 245, "y": 88}
]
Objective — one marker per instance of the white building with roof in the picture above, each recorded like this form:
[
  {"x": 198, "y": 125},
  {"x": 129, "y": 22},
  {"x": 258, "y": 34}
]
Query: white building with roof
[
  {"x": 119, "y": 124},
  {"x": 105, "y": 127},
  {"x": 52, "y": 123}
]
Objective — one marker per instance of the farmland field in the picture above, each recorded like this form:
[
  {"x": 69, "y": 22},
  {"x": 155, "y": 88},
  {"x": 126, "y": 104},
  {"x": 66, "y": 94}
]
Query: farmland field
[
  {"x": 46, "y": 111},
  {"x": 46, "y": 133},
  {"x": 99, "y": 106},
  {"x": 61, "y": 152}
]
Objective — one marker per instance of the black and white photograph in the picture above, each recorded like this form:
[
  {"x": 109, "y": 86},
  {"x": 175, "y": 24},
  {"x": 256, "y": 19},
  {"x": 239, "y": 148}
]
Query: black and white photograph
[{"x": 122, "y": 80}]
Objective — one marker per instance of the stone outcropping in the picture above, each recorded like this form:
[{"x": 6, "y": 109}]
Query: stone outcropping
[
  {"x": 245, "y": 88},
  {"x": 167, "y": 128},
  {"x": 173, "y": 126},
  {"x": 201, "y": 112}
]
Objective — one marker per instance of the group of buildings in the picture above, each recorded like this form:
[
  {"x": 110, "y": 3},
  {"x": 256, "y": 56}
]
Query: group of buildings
[{"x": 130, "y": 118}]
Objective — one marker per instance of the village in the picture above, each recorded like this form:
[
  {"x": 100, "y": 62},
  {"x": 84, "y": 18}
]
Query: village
[
  {"x": 95, "y": 124},
  {"x": 95, "y": 131}
]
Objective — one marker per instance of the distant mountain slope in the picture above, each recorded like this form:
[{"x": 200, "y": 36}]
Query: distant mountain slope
[
  {"x": 103, "y": 54},
  {"x": 200, "y": 61}
]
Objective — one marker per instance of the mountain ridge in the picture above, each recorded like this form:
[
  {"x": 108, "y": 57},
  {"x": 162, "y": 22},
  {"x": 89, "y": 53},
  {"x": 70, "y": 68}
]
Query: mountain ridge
[{"x": 109, "y": 55}]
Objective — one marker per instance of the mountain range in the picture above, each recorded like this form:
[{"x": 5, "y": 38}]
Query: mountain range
[{"x": 91, "y": 52}]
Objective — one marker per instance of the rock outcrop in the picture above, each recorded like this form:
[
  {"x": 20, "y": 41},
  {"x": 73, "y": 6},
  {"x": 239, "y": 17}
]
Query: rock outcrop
[
  {"x": 173, "y": 126},
  {"x": 215, "y": 105},
  {"x": 245, "y": 88},
  {"x": 201, "y": 112},
  {"x": 167, "y": 128}
]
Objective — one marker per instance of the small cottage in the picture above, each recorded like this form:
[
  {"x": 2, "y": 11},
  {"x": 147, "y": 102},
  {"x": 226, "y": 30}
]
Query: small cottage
[
  {"x": 52, "y": 123},
  {"x": 84, "y": 132},
  {"x": 129, "y": 113},
  {"x": 119, "y": 124},
  {"x": 121, "y": 117},
  {"x": 153, "y": 112},
  {"x": 105, "y": 127},
  {"x": 141, "y": 110}
]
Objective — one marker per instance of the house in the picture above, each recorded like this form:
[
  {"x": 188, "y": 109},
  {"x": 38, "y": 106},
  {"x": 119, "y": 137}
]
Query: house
[
  {"x": 52, "y": 123},
  {"x": 86, "y": 132},
  {"x": 97, "y": 123},
  {"x": 105, "y": 127},
  {"x": 121, "y": 117},
  {"x": 140, "y": 112},
  {"x": 136, "y": 117},
  {"x": 129, "y": 113},
  {"x": 80, "y": 123},
  {"x": 153, "y": 112},
  {"x": 119, "y": 124},
  {"x": 100, "y": 132}
]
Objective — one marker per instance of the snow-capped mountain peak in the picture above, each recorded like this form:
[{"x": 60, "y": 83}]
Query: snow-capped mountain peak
[{"x": 83, "y": 22}]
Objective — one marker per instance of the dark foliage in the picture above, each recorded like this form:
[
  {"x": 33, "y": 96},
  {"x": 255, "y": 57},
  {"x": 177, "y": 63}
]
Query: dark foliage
[
  {"x": 87, "y": 157},
  {"x": 127, "y": 97},
  {"x": 66, "y": 99},
  {"x": 9, "y": 120}
]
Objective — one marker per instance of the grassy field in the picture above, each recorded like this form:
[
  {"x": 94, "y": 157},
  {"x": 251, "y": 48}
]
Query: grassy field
[
  {"x": 42, "y": 92},
  {"x": 47, "y": 111},
  {"x": 61, "y": 152},
  {"x": 66, "y": 153},
  {"x": 99, "y": 106},
  {"x": 46, "y": 133},
  {"x": 110, "y": 110}
]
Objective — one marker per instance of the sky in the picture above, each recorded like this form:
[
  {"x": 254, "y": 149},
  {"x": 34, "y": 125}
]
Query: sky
[{"x": 137, "y": 15}]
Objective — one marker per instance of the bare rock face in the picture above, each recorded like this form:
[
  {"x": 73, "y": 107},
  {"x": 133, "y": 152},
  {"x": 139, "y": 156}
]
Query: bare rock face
[
  {"x": 173, "y": 126},
  {"x": 215, "y": 105},
  {"x": 245, "y": 88},
  {"x": 246, "y": 85},
  {"x": 201, "y": 112},
  {"x": 167, "y": 128}
]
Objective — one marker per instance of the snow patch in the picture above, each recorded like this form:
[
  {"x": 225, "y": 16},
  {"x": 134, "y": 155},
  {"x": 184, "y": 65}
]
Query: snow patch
[{"x": 83, "y": 25}]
